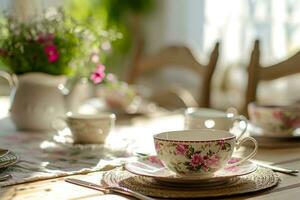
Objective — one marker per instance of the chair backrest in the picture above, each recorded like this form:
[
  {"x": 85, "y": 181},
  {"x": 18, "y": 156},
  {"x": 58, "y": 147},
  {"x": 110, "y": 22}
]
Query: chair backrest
[
  {"x": 257, "y": 72},
  {"x": 178, "y": 56}
]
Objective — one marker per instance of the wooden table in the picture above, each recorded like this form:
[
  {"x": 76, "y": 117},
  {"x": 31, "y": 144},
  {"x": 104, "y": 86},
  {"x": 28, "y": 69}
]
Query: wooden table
[{"x": 57, "y": 188}]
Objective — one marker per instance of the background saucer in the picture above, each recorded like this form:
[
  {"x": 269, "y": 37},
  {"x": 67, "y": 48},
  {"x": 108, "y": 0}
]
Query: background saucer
[
  {"x": 64, "y": 139},
  {"x": 260, "y": 133},
  {"x": 267, "y": 141}
]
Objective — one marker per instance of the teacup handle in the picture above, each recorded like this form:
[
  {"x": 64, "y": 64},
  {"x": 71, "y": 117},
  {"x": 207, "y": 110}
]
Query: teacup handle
[
  {"x": 238, "y": 145},
  {"x": 241, "y": 118}
]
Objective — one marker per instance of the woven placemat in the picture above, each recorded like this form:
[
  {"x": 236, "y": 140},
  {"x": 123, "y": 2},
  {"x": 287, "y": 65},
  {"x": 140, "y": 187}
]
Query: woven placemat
[{"x": 261, "y": 179}]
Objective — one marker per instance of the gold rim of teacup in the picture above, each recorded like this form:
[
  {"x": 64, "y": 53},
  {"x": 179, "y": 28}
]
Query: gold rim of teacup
[{"x": 156, "y": 136}]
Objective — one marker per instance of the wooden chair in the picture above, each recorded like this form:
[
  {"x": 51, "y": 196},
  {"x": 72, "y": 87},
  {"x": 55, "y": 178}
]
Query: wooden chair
[
  {"x": 256, "y": 72},
  {"x": 178, "y": 56}
]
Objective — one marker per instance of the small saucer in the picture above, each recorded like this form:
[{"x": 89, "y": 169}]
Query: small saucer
[
  {"x": 64, "y": 139},
  {"x": 151, "y": 166},
  {"x": 62, "y": 143},
  {"x": 259, "y": 133}
]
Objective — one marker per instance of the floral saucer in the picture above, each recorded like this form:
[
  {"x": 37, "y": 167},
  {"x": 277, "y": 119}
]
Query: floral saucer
[
  {"x": 151, "y": 166},
  {"x": 259, "y": 133}
]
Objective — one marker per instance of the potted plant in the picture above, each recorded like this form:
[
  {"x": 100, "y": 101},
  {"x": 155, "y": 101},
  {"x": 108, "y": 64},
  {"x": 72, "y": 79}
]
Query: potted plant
[{"x": 41, "y": 54}]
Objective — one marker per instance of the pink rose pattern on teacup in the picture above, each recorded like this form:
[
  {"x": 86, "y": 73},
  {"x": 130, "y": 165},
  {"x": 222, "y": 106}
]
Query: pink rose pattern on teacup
[
  {"x": 181, "y": 149},
  {"x": 196, "y": 160},
  {"x": 282, "y": 120},
  {"x": 154, "y": 160},
  {"x": 289, "y": 120},
  {"x": 158, "y": 147}
]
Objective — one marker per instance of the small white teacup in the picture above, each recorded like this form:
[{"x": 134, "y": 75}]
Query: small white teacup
[
  {"x": 205, "y": 118},
  {"x": 198, "y": 152},
  {"x": 86, "y": 128}
]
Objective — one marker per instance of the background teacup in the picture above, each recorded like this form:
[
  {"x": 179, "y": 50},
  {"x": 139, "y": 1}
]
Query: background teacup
[
  {"x": 198, "y": 152},
  {"x": 204, "y": 118},
  {"x": 88, "y": 129},
  {"x": 275, "y": 120}
]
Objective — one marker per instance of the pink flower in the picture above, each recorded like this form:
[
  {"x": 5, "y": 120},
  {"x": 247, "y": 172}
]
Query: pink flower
[
  {"x": 232, "y": 168},
  {"x": 233, "y": 160},
  {"x": 111, "y": 77},
  {"x": 277, "y": 114},
  {"x": 196, "y": 160},
  {"x": 100, "y": 67},
  {"x": 157, "y": 146},
  {"x": 221, "y": 143},
  {"x": 212, "y": 161},
  {"x": 155, "y": 160},
  {"x": 296, "y": 122},
  {"x": 181, "y": 149},
  {"x": 51, "y": 52},
  {"x": 98, "y": 75}
]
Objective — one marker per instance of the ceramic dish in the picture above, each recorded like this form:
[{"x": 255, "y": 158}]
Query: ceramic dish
[{"x": 151, "y": 166}]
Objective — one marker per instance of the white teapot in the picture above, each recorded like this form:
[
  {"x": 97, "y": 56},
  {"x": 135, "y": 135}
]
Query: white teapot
[{"x": 39, "y": 98}]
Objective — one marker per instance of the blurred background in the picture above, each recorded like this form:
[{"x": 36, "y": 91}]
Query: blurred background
[{"x": 197, "y": 24}]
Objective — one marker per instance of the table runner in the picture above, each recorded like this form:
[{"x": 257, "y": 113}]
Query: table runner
[{"x": 37, "y": 162}]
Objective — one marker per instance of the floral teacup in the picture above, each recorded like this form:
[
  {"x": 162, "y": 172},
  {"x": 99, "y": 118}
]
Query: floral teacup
[
  {"x": 198, "y": 152},
  {"x": 205, "y": 118},
  {"x": 275, "y": 120}
]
